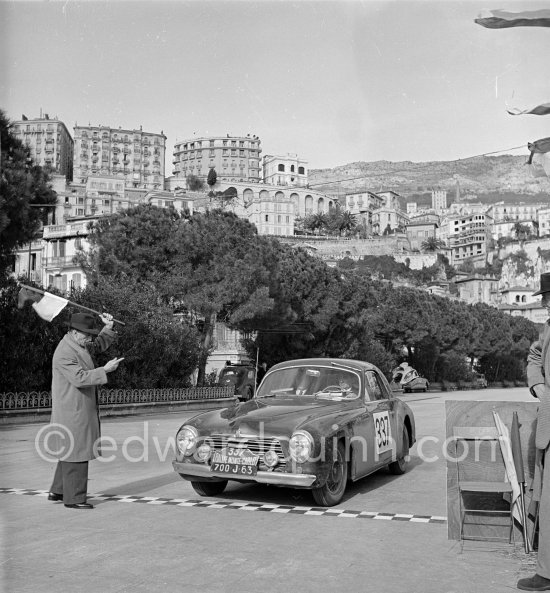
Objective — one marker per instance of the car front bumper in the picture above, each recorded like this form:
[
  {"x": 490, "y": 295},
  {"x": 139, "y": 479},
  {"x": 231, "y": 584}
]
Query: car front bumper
[{"x": 195, "y": 471}]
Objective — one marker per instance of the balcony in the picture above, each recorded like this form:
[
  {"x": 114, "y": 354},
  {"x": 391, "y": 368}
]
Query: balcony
[
  {"x": 65, "y": 261},
  {"x": 53, "y": 231}
]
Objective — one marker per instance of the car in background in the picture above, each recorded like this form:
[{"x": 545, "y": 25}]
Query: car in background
[
  {"x": 313, "y": 424},
  {"x": 241, "y": 376},
  {"x": 406, "y": 378},
  {"x": 480, "y": 381}
]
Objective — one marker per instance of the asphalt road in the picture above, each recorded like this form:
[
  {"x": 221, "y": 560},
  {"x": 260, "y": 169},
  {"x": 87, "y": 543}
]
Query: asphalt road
[{"x": 151, "y": 532}]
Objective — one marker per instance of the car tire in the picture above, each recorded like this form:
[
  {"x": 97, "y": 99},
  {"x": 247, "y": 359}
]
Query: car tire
[
  {"x": 209, "y": 488},
  {"x": 399, "y": 466},
  {"x": 332, "y": 491}
]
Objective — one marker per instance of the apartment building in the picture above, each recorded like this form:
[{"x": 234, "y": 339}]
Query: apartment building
[
  {"x": 133, "y": 156},
  {"x": 439, "y": 200},
  {"x": 50, "y": 143},
  {"x": 466, "y": 236},
  {"x": 235, "y": 158},
  {"x": 286, "y": 170},
  {"x": 515, "y": 212}
]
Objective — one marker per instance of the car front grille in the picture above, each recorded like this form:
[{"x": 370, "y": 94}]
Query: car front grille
[{"x": 257, "y": 446}]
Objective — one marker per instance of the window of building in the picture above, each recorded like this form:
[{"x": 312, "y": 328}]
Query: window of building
[
  {"x": 301, "y": 170},
  {"x": 281, "y": 168}
]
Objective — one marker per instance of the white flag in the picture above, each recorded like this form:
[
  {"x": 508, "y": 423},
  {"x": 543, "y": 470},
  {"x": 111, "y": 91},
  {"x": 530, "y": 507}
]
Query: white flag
[{"x": 49, "y": 306}]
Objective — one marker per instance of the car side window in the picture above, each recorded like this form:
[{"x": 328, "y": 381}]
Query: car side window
[{"x": 374, "y": 387}]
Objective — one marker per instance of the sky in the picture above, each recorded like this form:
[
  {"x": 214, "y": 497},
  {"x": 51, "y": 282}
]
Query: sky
[{"x": 333, "y": 82}]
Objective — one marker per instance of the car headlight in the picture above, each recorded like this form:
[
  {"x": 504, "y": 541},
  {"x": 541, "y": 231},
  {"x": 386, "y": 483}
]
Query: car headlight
[
  {"x": 186, "y": 440},
  {"x": 300, "y": 446},
  {"x": 271, "y": 459},
  {"x": 203, "y": 452}
]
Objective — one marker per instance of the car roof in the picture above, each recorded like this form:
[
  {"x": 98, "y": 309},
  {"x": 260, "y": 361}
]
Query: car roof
[{"x": 359, "y": 365}]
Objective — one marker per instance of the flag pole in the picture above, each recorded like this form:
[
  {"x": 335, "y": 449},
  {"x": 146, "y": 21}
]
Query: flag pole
[
  {"x": 515, "y": 441},
  {"x": 68, "y": 302}
]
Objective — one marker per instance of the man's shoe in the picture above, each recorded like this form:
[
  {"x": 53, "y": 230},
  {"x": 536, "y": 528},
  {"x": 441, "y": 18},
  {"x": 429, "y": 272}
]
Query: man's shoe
[
  {"x": 55, "y": 497},
  {"x": 83, "y": 505},
  {"x": 535, "y": 583}
]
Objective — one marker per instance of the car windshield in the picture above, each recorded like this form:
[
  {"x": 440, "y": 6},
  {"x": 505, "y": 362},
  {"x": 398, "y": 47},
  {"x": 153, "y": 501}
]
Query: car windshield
[{"x": 311, "y": 381}]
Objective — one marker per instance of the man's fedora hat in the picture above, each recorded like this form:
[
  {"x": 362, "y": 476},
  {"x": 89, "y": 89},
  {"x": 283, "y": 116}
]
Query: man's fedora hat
[
  {"x": 83, "y": 322},
  {"x": 544, "y": 284}
]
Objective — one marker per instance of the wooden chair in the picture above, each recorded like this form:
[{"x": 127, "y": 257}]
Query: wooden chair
[{"x": 481, "y": 438}]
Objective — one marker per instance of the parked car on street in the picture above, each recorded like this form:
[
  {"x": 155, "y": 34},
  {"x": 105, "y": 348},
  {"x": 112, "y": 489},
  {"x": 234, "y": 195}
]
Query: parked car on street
[
  {"x": 313, "y": 424},
  {"x": 241, "y": 376},
  {"x": 480, "y": 381}
]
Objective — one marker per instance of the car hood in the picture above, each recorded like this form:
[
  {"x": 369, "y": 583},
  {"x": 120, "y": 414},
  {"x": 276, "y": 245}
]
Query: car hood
[{"x": 272, "y": 416}]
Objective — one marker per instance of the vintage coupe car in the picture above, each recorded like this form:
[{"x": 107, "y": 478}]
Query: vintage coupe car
[{"x": 313, "y": 423}]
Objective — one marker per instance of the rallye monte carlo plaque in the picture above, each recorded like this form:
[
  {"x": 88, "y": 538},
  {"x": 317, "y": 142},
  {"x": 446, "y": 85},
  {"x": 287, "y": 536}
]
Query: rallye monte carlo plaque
[{"x": 236, "y": 461}]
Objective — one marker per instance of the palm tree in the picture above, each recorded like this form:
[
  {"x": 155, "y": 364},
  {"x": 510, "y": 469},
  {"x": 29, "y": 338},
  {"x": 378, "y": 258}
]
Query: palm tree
[
  {"x": 432, "y": 244},
  {"x": 346, "y": 222},
  {"x": 315, "y": 222}
]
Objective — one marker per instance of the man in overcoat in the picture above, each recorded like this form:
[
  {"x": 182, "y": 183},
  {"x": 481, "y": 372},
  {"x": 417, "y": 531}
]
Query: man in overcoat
[
  {"x": 75, "y": 411},
  {"x": 538, "y": 380}
]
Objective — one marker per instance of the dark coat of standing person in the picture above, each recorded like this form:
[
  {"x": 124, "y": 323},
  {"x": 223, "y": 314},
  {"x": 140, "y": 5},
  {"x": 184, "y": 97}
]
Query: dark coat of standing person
[
  {"x": 75, "y": 411},
  {"x": 538, "y": 380}
]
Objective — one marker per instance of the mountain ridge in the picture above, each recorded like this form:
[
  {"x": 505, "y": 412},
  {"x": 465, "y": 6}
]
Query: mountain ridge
[{"x": 473, "y": 177}]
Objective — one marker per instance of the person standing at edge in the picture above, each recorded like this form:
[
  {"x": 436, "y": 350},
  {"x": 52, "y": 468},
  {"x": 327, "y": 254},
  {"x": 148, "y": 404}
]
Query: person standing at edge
[
  {"x": 538, "y": 380},
  {"x": 75, "y": 410}
]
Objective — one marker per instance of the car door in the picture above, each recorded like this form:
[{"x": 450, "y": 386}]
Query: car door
[{"x": 374, "y": 432}]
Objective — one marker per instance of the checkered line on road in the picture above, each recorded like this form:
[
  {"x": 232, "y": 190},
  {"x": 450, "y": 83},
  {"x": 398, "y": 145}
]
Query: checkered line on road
[{"x": 246, "y": 506}]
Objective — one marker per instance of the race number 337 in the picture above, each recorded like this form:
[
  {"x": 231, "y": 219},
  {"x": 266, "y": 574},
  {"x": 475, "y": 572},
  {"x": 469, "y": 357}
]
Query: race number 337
[{"x": 382, "y": 431}]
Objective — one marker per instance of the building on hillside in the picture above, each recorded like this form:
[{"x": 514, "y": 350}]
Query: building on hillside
[
  {"x": 49, "y": 141},
  {"x": 543, "y": 220},
  {"x": 286, "y": 170},
  {"x": 503, "y": 229},
  {"x": 534, "y": 312},
  {"x": 478, "y": 289},
  {"x": 412, "y": 208},
  {"x": 234, "y": 158},
  {"x": 419, "y": 230},
  {"x": 518, "y": 295},
  {"x": 304, "y": 202},
  {"x": 465, "y": 208},
  {"x": 133, "y": 156},
  {"x": 515, "y": 212},
  {"x": 388, "y": 220},
  {"x": 362, "y": 205},
  {"x": 439, "y": 200},
  {"x": 466, "y": 236},
  {"x": 391, "y": 199}
]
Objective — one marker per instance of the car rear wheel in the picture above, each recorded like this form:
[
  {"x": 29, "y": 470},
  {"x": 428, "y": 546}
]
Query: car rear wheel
[
  {"x": 332, "y": 491},
  {"x": 399, "y": 466},
  {"x": 209, "y": 488}
]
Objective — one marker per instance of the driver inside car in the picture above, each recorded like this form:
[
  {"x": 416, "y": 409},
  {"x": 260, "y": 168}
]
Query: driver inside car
[{"x": 348, "y": 386}]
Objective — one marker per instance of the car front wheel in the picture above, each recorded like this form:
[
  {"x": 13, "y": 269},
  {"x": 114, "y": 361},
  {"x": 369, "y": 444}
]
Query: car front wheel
[
  {"x": 209, "y": 488},
  {"x": 332, "y": 491}
]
